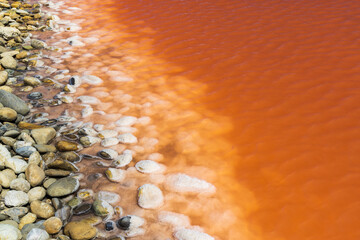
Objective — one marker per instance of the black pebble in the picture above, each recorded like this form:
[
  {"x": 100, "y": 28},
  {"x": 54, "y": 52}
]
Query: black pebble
[
  {"x": 109, "y": 226},
  {"x": 82, "y": 209},
  {"x": 72, "y": 81},
  {"x": 35, "y": 95},
  {"x": 124, "y": 223}
]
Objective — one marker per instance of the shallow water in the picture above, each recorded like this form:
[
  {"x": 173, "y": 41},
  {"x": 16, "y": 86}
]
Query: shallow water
[{"x": 258, "y": 97}]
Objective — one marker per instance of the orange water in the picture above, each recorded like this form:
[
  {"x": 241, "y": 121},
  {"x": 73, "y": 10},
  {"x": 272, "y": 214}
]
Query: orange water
[{"x": 267, "y": 94}]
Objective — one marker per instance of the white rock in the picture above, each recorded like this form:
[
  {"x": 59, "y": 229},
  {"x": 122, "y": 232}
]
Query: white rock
[
  {"x": 115, "y": 175},
  {"x": 87, "y": 111},
  {"x": 108, "y": 134},
  {"x": 15, "y": 198},
  {"x": 4, "y": 155},
  {"x": 99, "y": 127},
  {"x": 89, "y": 100},
  {"x": 174, "y": 219},
  {"x": 190, "y": 234},
  {"x": 37, "y": 234},
  {"x": 150, "y": 196},
  {"x": 109, "y": 197},
  {"x": 108, "y": 142},
  {"x": 127, "y": 138},
  {"x": 17, "y": 165},
  {"x": 135, "y": 221},
  {"x": 124, "y": 159},
  {"x": 108, "y": 154},
  {"x": 88, "y": 131},
  {"x": 148, "y": 166},
  {"x": 126, "y": 121},
  {"x": 92, "y": 80},
  {"x": 9, "y": 232},
  {"x": 36, "y": 193},
  {"x": 6, "y": 176},
  {"x": 185, "y": 184}
]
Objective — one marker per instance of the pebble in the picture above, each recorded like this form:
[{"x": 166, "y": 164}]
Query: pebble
[
  {"x": 63, "y": 187},
  {"x": 43, "y": 135},
  {"x": 66, "y": 146},
  {"x": 108, "y": 154},
  {"x": 80, "y": 230},
  {"x": 7, "y": 114},
  {"x": 25, "y": 151},
  {"x": 115, "y": 175},
  {"x": 20, "y": 184},
  {"x": 11, "y": 101},
  {"x": 108, "y": 142},
  {"x": 15, "y": 198},
  {"x": 42, "y": 209},
  {"x": 124, "y": 159},
  {"x": 38, "y": 44},
  {"x": 89, "y": 141},
  {"x": 110, "y": 226},
  {"x": 89, "y": 100},
  {"x": 82, "y": 209},
  {"x": 27, "y": 219},
  {"x": 130, "y": 222},
  {"x": 17, "y": 165},
  {"x": 102, "y": 208},
  {"x": 53, "y": 225},
  {"x": 108, "y": 134},
  {"x": 36, "y": 193},
  {"x": 75, "y": 81},
  {"x": 34, "y": 174},
  {"x": 32, "y": 81},
  {"x": 3, "y": 77},
  {"x": 150, "y": 196},
  {"x": 6, "y": 177},
  {"x": 127, "y": 138},
  {"x": 9, "y": 232},
  {"x": 148, "y": 166},
  {"x": 37, "y": 234},
  {"x": 35, "y": 96},
  {"x": 8, "y": 62},
  {"x": 191, "y": 234}
]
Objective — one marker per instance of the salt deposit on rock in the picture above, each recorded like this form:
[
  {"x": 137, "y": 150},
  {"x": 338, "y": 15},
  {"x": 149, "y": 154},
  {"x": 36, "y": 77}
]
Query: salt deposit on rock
[
  {"x": 130, "y": 222},
  {"x": 185, "y": 184},
  {"x": 126, "y": 121},
  {"x": 150, "y": 196},
  {"x": 92, "y": 80},
  {"x": 115, "y": 175},
  {"x": 148, "y": 166},
  {"x": 190, "y": 234},
  {"x": 89, "y": 100},
  {"x": 108, "y": 134},
  {"x": 124, "y": 159},
  {"x": 108, "y": 142},
  {"x": 127, "y": 138},
  {"x": 87, "y": 111},
  {"x": 109, "y": 197},
  {"x": 174, "y": 219}
]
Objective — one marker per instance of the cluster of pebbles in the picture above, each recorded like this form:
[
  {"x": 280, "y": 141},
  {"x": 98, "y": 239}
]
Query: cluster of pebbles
[{"x": 40, "y": 183}]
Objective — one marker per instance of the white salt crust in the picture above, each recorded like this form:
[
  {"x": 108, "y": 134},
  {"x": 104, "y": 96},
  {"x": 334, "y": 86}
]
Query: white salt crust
[
  {"x": 92, "y": 80},
  {"x": 174, "y": 219},
  {"x": 148, "y": 166},
  {"x": 183, "y": 183},
  {"x": 126, "y": 121},
  {"x": 150, "y": 196},
  {"x": 127, "y": 138},
  {"x": 190, "y": 234},
  {"x": 124, "y": 159}
]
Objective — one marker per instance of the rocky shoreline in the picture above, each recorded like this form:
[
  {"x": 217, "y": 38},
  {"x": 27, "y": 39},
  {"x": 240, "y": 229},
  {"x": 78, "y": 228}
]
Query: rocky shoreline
[{"x": 43, "y": 195}]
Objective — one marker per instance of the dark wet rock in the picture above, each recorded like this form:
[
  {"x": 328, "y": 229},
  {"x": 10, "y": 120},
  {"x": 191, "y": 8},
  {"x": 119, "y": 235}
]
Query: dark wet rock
[
  {"x": 11, "y": 101},
  {"x": 70, "y": 156},
  {"x": 109, "y": 226},
  {"x": 63, "y": 187},
  {"x": 63, "y": 164},
  {"x": 83, "y": 208},
  {"x": 124, "y": 223},
  {"x": 50, "y": 122},
  {"x": 35, "y": 96}
]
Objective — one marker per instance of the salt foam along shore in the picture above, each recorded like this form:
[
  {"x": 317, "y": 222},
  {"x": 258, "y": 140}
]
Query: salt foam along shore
[{"x": 40, "y": 181}]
